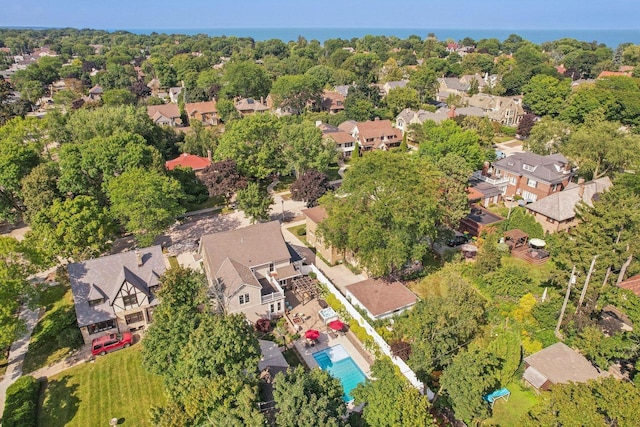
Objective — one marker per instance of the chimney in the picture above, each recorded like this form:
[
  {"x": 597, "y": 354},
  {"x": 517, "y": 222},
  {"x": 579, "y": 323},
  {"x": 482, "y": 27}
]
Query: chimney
[
  {"x": 209, "y": 155},
  {"x": 139, "y": 258},
  {"x": 581, "y": 187}
]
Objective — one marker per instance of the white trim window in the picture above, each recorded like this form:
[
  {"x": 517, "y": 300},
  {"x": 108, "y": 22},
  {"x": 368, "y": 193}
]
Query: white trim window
[
  {"x": 532, "y": 183},
  {"x": 243, "y": 299}
]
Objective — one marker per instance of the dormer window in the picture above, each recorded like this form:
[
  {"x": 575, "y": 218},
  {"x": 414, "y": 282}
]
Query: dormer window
[
  {"x": 528, "y": 167},
  {"x": 94, "y": 302}
]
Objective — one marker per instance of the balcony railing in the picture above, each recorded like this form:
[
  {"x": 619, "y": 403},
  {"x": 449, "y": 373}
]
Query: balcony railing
[
  {"x": 496, "y": 180},
  {"x": 274, "y": 296}
]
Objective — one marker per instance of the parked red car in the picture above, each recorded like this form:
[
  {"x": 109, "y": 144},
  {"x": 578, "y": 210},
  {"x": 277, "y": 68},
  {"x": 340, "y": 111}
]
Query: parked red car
[{"x": 110, "y": 342}]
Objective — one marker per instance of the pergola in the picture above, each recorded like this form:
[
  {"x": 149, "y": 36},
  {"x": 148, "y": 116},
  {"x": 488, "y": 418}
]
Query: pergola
[
  {"x": 515, "y": 238},
  {"x": 305, "y": 288}
]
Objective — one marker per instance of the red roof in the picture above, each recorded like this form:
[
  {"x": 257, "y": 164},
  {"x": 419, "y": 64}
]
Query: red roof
[
  {"x": 187, "y": 160},
  {"x": 632, "y": 284}
]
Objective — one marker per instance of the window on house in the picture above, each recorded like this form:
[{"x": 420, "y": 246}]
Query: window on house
[
  {"x": 532, "y": 183},
  {"x": 528, "y": 167},
  {"x": 348, "y": 144},
  {"x": 150, "y": 314},
  {"x": 272, "y": 267},
  {"x": 273, "y": 308},
  {"x": 95, "y": 302},
  {"x": 101, "y": 326},
  {"x": 282, "y": 282},
  {"x": 244, "y": 299},
  {"x": 512, "y": 180},
  {"x": 134, "y": 318},
  {"x": 131, "y": 299},
  {"x": 279, "y": 306}
]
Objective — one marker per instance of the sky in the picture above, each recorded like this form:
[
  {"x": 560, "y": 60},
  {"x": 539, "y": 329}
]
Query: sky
[{"x": 187, "y": 14}]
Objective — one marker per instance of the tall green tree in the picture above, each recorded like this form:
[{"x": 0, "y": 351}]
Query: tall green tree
[
  {"x": 145, "y": 202},
  {"x": 605, "y": 402},
  {"x": 77, "y": 228},
  {"x": 447, "y": 318},
  {"x": 254, "y": 144},
  {"x": 390, "y": 400},
  {"x": 40, "y": 188},
  {"x": 425, "y": 81},
  {"x": 296, "y": 92},
  {"x": 305, "y": 148},
  {"x": 388, "y": 211},
  {"x": 255, "y": 202},
  {"x": 602, "y": 148},
  {"x": 17, "y": 159},
  {"x": 470, "y": 376},
  {"x": 545, "y": 95},
  {"x": 245, "y": 79},
  {"x": 548, "y": 136},
  {"x": 308, "y": 398}
]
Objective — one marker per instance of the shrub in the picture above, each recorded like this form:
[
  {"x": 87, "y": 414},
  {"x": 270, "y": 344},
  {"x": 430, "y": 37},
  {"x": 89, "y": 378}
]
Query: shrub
[
  {"x": 313, "y": 275},
  {"x": 301, "y": 232},
  {"x": 21, "y": 403}
]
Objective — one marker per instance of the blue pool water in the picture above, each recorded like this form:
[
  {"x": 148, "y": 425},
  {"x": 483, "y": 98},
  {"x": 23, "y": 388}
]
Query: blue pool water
[{"x": 339, "y": 364}]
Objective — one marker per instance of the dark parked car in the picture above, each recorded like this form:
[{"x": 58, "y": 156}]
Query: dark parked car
[
  {"x": 458, "y": 240},
  {"x": 111, "y": 342}
]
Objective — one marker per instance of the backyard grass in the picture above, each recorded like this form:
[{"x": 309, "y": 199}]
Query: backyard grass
[
  {"x": 500, "y": 139},
  {"x": 295, "y": 230},
  {"x": 57, "y": 333},
  {"x": 211, "y": 202},
  {"x": 173, "y": 262},
  {"x": 332, "y": 173},
  {"x": 508, "y": 413},
  {"x": 114, "y": 386}
]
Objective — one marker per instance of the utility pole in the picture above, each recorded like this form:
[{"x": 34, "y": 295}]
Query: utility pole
[
  {"x": 586, "y": 283},
  {"x": 572, "y": 280}
]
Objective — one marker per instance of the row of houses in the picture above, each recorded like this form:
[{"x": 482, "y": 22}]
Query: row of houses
[{"x": 248, "y": 270}]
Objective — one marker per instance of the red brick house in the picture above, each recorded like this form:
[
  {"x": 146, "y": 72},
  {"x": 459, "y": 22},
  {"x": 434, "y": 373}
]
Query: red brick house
[{"x": 530, "y": 176}]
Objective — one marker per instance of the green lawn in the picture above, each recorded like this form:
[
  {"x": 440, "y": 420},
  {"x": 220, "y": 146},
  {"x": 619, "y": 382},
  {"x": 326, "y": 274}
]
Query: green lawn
[
  {"x": 114, "y": 386},
  {"x": 507, "y": 413},
  {"x": 332, "y": 173},
  {"x": 57, "y": 333},
  {"x": 211, "y": 202},
  {"x": 499, "y": 139}
]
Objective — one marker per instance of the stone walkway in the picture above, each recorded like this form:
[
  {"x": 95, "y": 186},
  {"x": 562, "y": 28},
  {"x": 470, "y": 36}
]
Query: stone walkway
[{"x": 16, "y": 354}]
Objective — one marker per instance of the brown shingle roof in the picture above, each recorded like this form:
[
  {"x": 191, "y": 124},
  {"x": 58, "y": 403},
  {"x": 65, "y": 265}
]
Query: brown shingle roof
[
  {"x": 168, "y": 110},
  {"x": 378, "y": 130},
  {"x": 207, "y": 107},
  {"x": 632, "y": 284},
  {"x": 380, "y": 297},
  {"x": 315, "y": 214}
]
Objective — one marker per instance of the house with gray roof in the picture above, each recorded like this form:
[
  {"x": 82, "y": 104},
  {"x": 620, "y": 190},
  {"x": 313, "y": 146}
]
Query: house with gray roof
[
  {"x": 558, "y": 364},
  {"x": 528, "y": 175},
  {"x": 408, "y": 117},
  {"x": 248, "y": 269},
  {"x": 557, "y": 211},
  {"x": 116, "y": 292}
]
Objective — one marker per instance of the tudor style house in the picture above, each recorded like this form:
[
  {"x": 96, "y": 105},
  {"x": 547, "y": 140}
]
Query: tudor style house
[
  {"x": 248, "y": 269},
  {"x": 527, "y": 175},
  {"x": 116, "y": 293}
]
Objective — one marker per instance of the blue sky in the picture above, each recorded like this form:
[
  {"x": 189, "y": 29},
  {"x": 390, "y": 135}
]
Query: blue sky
[{"x": 185, "y": 14}]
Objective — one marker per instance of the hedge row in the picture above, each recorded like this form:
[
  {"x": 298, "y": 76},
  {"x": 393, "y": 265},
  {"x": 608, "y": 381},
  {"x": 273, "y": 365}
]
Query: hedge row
[{"x": 20, "y": 408}]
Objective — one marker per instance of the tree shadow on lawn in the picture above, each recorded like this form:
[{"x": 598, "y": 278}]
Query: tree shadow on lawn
[
  {"x": 55, "y": 336},
  {"x": 59, "y": 403}
]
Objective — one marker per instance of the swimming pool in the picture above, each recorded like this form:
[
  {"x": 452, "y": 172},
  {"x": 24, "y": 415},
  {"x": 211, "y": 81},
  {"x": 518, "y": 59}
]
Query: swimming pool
[{"x": 340, "y": 365}]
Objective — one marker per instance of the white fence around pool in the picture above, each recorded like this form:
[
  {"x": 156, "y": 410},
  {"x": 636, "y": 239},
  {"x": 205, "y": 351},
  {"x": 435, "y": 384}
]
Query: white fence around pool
[{"x": 382, "y": 344}]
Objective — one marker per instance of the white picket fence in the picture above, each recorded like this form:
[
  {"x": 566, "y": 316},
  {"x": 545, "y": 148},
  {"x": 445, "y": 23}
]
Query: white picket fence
[{"x": 380, "y": 342}]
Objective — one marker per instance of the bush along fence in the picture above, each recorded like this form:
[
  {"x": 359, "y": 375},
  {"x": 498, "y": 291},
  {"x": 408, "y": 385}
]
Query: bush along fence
[{"x": 364, "y": 331}]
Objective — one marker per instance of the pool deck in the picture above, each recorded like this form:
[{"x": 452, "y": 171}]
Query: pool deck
[{"x": 325, "y": 341}]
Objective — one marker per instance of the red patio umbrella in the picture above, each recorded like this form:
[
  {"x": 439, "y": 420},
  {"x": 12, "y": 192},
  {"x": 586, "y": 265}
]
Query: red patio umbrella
[
  {"x": 336, "y": 325},
  {"x": 312, "y": 334}
]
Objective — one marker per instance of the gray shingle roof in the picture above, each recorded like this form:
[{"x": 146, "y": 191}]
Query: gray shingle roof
[
  {"x": 251, "y": 246},
  {"x": 103, "y": 277},
  {"x": 560, "y": 364},
  {"x": 561, "y": 206},
  {"x": 549, "y": 169}
]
